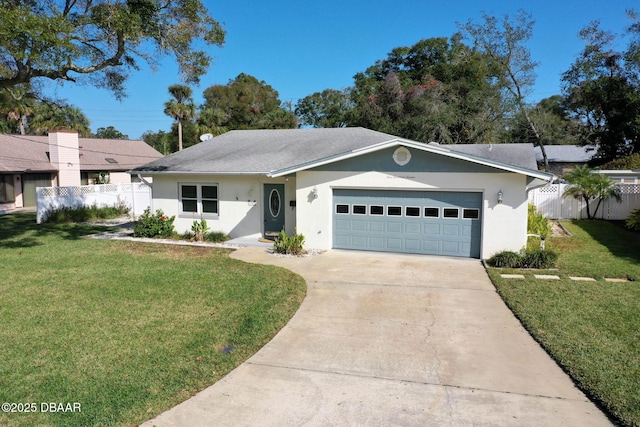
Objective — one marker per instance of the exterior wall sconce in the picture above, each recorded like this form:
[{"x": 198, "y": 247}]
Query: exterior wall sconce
[
  {"x": 314, "y": 193},
  {"x": 251, "y": 192},
  {"x": 500, "y": 194}
]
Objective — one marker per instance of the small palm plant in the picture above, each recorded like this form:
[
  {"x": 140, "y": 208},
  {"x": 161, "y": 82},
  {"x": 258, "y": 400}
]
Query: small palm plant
[{"x": 590, "y": 186}]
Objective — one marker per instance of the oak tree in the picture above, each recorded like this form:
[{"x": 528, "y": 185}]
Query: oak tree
[{"x": 101, "y": 41}]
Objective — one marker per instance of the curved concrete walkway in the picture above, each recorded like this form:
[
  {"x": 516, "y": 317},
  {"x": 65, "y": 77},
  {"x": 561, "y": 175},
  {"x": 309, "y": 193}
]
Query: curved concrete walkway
[{"x": 390, "y": 339}]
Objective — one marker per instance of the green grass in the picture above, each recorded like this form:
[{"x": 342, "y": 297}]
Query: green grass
[
  {"x": 591, "y": 328},
  {"x": 126, "y": 329}
]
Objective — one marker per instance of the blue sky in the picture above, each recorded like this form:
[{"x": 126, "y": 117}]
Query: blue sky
[{"x": 302, "y": 47}]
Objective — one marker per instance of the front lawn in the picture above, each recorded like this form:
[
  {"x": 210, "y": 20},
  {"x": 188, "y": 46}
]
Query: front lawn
[
  {"x": 591, "y": 328},
  {"x": 124, "y": 329}
]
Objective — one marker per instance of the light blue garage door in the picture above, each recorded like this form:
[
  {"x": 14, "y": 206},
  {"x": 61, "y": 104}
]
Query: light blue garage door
[{"x": 422, "y": 222}]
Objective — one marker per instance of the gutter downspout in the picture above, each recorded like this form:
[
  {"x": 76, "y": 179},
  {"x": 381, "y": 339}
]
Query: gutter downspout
[{"x": 145, "y": 181}]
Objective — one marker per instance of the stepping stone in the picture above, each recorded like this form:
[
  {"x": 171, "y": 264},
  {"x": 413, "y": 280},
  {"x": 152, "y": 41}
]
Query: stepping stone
[
  {"x": 583, "y": 279},
  {"x": 546, "y": 276},
  {"x": 615, "y": 280},
  {"x": 512, "y": 276}
]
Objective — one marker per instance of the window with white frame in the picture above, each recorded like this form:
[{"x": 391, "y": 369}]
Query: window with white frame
[{"x": 199, "y": 199}]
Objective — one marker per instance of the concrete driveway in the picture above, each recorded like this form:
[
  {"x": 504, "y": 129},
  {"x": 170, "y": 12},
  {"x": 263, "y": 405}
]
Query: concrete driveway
[{"x": 391, "y": 339}]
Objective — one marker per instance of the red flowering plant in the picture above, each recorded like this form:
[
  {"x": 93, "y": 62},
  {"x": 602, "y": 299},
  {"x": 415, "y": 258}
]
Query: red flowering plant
[{"x": 154, "y": 225}]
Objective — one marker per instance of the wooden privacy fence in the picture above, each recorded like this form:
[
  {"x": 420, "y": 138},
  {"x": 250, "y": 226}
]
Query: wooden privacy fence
[
  {"x": 137, "y": 196},
  {"x": 550, "y": 203}
]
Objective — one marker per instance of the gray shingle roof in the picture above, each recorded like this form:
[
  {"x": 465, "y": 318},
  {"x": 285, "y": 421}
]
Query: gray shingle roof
[
  {"x": 260, "y": 152},
  {"x": 566, "y": 153}
]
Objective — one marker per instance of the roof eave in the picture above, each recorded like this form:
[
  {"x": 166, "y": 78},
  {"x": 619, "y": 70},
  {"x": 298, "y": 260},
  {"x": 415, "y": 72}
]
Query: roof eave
[
  {"x": 419, "y": 146},
  {"x": 152, "y": 173}
]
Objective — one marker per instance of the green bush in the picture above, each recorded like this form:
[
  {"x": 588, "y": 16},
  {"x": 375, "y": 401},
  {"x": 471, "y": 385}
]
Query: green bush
[
  {"x": 85, "y": 213},
  {"x": 289, "y": 245},
  {"x": 538, "y": 224},
  {"x": 633, "y": 222},
  {"x": 539, "y": 258},
  {"x": 216, "y": 236},
  {"x": 506, "y": 259},
  {"x": 199, "y": 229},
  {"x": 528, "y": 258},
  {"x": 624, "y": 163},
  {"x": 154, "y": 225}
]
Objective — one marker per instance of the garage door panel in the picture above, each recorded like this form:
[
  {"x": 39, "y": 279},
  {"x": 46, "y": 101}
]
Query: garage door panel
[
  {"x": 342, "y": 241},
  {"x": 394, "y": 243},
  {"x": 449, "y": 247},
  {"x": 359, "y": 225},
  {"x": 342, "y": 224},
  {"x": 376, "y": 226},
  {"x": 412, "y": 228},
  {"x": 376, "y": 242},
  {"x": 413, "y": 245},
  {"x": 450, "y": 229},
  {"x": 431, "y": 229},
  {"x": 394, "y": 227},
  {"x": 359, "y": 241},
  {"x": 427, "y": 222}
]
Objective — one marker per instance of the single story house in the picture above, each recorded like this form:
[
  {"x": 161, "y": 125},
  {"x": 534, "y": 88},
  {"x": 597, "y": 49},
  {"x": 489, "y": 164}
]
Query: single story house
[
  {"x": 62, "y": 159},
  {"x": 352, "y": 188},
  {"x": 631, "y": 176},
  {"x": 565, "y": 158}
]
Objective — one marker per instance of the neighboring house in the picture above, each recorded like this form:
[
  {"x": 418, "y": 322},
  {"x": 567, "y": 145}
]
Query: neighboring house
[
  {"x": 63, "y": 159},
  {"x": 352, "y": 188},
  {"x": 621, "y": 176},
  {"x": 565, "y": 158}
]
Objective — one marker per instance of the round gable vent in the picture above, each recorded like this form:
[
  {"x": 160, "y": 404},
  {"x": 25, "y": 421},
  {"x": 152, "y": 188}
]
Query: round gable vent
[{"x": 402, "y": 156}]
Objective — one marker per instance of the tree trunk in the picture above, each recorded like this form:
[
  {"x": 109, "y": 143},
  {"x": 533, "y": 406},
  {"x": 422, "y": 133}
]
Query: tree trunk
[
  {"x": 538, "y": 139},
  {"x": 179, "y": 135}
]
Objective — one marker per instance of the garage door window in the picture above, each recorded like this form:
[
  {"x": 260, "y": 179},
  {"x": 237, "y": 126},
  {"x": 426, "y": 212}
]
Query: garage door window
[
  {"x": 411, "y": 211},
  {"x": 432, "y": 212},
  {"x": 451, "y": 213},
  {"x": 376, "y": 210},
  {"x": 359, "y": 209},
  {"x": 394, "y": 211},
  {"x": 471, "y": 213},
  {"x": 342, "y": 209}
]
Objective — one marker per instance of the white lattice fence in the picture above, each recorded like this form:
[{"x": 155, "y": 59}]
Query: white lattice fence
[
  {"x": 137, "y": 196},
  {"x": 549, "y": 201}
]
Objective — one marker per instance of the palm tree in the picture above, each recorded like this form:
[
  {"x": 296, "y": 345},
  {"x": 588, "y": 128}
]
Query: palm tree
[
  {"x": 181, "y": 107},
  {"x": 589, "y": 186},
  {"x": 50, "y": 116}
]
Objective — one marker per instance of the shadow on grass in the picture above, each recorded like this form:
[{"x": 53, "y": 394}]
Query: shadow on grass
[
  {"x": 20, "y": 230},
  {"x": 622, "y": 243}
]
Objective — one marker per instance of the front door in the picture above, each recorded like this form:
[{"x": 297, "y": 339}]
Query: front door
[{"x": 273, "y": 210}]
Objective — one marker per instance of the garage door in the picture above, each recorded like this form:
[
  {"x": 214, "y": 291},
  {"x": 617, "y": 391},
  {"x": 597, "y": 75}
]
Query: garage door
[{"x": 422, "y": 222}]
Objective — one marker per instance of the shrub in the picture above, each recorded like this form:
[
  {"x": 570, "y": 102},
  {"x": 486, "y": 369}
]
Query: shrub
[
  {"x": 216, "y": 236},
  {"x": 153, "y": 225},
  {"x": 528, "y": 258},
  {"x": 538, "y": 224},
  {"x": 289, "y": 245},
  {"x": 85, "y": 213},
  {"x": 506, "y": 259},
  {"x": 633, "y": 222},
  {"x": 199, "y": 229},
  {"x": 624, "y": 163},
  {"x": 539, "y": 258}
]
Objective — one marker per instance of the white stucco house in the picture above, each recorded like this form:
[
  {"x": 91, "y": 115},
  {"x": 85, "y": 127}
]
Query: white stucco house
[{"x": 352, "y": 188}]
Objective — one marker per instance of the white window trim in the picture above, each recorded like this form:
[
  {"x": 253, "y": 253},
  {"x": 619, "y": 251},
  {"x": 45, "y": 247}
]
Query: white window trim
[{"x": 199, "y": 213}]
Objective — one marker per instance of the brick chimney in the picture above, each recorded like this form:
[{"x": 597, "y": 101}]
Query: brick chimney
[{"x": 64, "y": 152}]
